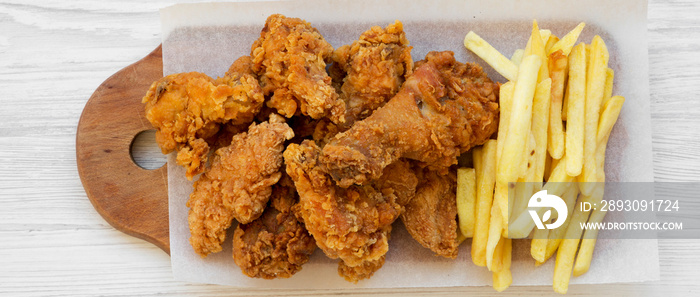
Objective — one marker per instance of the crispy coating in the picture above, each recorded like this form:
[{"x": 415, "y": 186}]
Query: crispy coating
[
  {"x": 441, "y": 111},
  {"x": 352, "y": 223},
  {"x": 238, "y": 184},
  {"x": 276, "y": 244},
  {"x": 431, "y": 216},
  {"x": 375, "y": 65},
  {"x": 290, "y": 57},
  {"x": 363, "y": 271},
  {"x": 189, "y": 108},
  {"x": 367, "y": 74}
]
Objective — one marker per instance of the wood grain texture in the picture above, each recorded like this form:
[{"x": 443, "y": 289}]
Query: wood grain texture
[
  {"x": 54, "y": 54},
  {"x": 132, "y": 199}
]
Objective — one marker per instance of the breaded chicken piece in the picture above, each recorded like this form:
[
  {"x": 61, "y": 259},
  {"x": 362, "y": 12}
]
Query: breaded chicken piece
[
  {"x": 352, "y": 223},
  {"x": 375, "y": 65},
  {"x": 277, "y": 243},
  {"x": 370, "y": 72},
  {"x": 442, "y": 110},
  {"x": 238, "y": 184},
  {"x": 189, "y": 108},
  {"x": 431, "y": 216},
  {"x": 290, "y": 57}
]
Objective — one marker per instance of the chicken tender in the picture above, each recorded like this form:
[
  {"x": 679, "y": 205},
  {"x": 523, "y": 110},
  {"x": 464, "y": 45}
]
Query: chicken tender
[
  {"x": 290, "y": 57},
  {"x": 188, "y": 108},
  {"x": 238, "y": 184},
  {"x": 441, "y": 111},
  {"x": 276, "y": 244}
]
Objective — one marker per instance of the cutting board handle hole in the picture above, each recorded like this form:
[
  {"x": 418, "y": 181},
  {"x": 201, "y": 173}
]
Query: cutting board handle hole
[{"x": 144, "y": 151}]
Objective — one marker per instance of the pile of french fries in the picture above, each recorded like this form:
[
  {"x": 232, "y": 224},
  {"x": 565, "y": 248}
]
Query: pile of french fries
[{"x": 556, "y": 115}]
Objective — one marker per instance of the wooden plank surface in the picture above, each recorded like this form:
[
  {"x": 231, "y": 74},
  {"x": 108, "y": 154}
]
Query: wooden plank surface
[{"x": 53, "y": 54}]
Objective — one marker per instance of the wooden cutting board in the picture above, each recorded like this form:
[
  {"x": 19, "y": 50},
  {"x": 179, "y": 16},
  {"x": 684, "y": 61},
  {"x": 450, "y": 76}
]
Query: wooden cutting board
[{"x": 132, "y": 199}]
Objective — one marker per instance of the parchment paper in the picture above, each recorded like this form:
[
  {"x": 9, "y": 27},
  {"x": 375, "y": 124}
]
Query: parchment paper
[{"x": 209, "y": 37}]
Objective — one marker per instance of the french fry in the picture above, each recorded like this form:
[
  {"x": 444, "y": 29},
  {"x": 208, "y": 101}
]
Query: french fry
[
  {"x": 491, "y": 56},
  {"x": 585, "y": 252},
  {"x": 518, "y": 129},
  {"x": 466, "y": 200},
  {"x": 595, "y": 87},
  {"x": 557, "y": 72},
  {"x": 495, "y": 230},
  {"x": 567, "y": 42},
  {"x": 608, "y": 117},
  {"x": 517, "y": 56},
  {"x": 565, "y": 102},
  {"x": 544, "y": 35},
  {"x": 485, "y": 166},
  {"x": 567, "y": 250},
  {"x": 547, "y": 167},
  {"x": 497, "y": 262},
  {"x": 555, "y": 236},
  {"x": 503, "y": 279},
  {"x": 550, "y": 42},
  {"x": 506, "y": 100},
  {"x": 539, "y": 125},
  {"x": 538, "y": 244},
  {"x": 609, "y": 78},
  {"x": 536, "y": 47},
  {"x": 536, "y": 151},
  {"x": 575, "y": 120}
]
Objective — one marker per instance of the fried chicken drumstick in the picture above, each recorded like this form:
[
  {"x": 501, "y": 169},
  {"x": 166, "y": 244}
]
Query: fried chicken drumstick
[
  {"x": 441, "y": 111},
  {"x": 238, "y": 184},
  {"x": 352, "y": 223},
  {"x": 187, "y": 109}
]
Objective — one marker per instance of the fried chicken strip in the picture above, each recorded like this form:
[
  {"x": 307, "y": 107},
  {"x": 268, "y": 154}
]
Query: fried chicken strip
[
  {"x": 276, "y": 244},
  {"x": 431, "y": 216},
  {"x": 290, "y": 57},
  {"x": 352, "y": 223},
  {"x": 188, "y": 108},
  {"x": 441, "y": 111},
  {"x": 238, "y": 184}
]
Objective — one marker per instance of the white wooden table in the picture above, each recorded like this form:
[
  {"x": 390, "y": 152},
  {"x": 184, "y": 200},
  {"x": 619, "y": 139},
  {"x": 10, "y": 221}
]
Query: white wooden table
[{"x": 53, "y": 54}]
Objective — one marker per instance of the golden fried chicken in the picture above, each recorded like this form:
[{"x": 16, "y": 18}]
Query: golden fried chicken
[
  {"x": 352, "y": 223},
  {"x": 369, "y": 72},
  {"x": 443, "y": 109},
  {"x": 290, "y": 57},
  {"x": 431, "y": 216},
  {"x": 276, "y": 244},
  {"x": 375, "y": 66},
  {"x": 238, "y": 184},
  {"x": 188, "y": 108}
]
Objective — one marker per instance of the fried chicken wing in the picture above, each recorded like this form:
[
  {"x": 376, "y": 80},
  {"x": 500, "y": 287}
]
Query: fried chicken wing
[
  {"x": 277, "y": 243},
  {"x": 431, "y": 216},
  {"x": 441, "y": 111},
  {"x": 375, "y": 65},
  {"x": 238, "y": 184},
  {"x": 290, "y": 57},
  {"x": 370, "y": 72},
  {"x": 352, "y": 223},
  {"x": 189, "y": 108}
]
